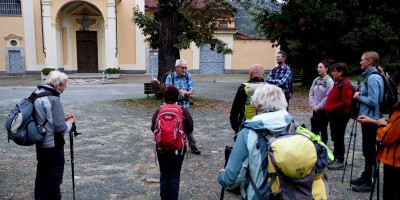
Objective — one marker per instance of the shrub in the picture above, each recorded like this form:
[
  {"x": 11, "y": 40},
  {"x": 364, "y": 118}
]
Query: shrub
[
  {"x": 46, "y": 71},
  {"x": 112, "y": 70}
]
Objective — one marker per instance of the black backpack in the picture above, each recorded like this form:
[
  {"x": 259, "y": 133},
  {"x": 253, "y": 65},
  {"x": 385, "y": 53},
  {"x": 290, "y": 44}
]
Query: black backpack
[
  {"x": 354, "y": 103},
  {"x": 386, "y": 106}
]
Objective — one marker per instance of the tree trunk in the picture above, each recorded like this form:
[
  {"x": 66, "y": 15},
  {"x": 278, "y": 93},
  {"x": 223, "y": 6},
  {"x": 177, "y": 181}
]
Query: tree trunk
[{"x": 168, "y": 19}]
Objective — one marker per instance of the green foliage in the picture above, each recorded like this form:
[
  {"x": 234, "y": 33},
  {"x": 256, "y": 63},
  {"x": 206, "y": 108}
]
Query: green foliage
[
  {"x": 46, "y": 71},
  {"x": 196, "y": 24},
  {"x": 112, "y": 70},
  {"x": 154, "y": 102},
  {"x": 341, "y": 30}
]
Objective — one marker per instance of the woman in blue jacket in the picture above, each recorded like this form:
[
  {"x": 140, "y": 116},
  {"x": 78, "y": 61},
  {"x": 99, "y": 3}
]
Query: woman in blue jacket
[{"x": 249, "y": 154}]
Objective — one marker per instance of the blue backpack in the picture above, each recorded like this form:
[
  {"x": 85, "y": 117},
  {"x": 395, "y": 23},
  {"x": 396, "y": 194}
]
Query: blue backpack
[{"x": 21, "y": 125}]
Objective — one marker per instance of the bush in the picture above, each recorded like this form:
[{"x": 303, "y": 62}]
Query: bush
[
  {"x": 46, "y": 71},
  {"x": 112, "y": 70}
]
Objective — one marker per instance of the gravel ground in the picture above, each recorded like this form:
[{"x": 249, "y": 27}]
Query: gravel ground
[{"x": 114, "y": 157}]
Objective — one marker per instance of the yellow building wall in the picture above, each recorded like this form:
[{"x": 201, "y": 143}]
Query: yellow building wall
[
  {"x": 248, "y": 52},
  {"x": 187, "y": 54},
  {"x": 10, "y": 25},
  {"x": 126, "y": 33},
  {"x": 40, "y": 59}
]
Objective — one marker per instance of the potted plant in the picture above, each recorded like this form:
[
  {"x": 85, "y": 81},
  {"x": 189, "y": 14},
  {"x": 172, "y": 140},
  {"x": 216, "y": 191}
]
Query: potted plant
[
  {"x": 46, "y": 71},
  {"x": 112, "y": 72}
]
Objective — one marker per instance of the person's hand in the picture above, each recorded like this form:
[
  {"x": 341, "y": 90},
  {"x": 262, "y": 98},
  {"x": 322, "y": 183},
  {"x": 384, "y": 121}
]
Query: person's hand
[
  {"x": 364, "y": 119},
  {"x": 70, "y": 118},
  {"x": 315, "y": 109},
  {"x": 222, "y": 170},
  {"x": 356, "y": 95},
  {"x": 182, "y": 92}
]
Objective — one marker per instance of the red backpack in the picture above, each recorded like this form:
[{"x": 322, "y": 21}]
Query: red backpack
[{"x": 168, "y": 130}]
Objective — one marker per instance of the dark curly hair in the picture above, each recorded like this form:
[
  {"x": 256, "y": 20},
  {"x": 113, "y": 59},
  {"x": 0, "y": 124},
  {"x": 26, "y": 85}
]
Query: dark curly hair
[
  {"x": 341, "y": 67},
  {"x": 171, "y": 94}
]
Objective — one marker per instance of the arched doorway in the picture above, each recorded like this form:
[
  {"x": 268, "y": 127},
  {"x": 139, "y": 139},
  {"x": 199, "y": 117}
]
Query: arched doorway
[{"x": 87, "y": 51}]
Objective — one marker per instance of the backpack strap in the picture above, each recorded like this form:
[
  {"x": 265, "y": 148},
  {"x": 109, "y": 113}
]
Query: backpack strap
[
  {"x": 375, "y": 72},
  {"x": 34, "y": 96},
  {"x": 256, "y": 190}
]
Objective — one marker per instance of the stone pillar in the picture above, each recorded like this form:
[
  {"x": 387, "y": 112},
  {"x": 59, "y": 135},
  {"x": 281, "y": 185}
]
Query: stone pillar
[
  {"x": 48, "y": 35},
  {"x": 29, "y": 36},
  {"x": 110, "y": 36},
  {"x": 140, "y": 44}
]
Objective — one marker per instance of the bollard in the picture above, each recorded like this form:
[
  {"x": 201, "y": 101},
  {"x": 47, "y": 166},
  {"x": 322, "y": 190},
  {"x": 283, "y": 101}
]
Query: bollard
[
  {"x": 41, "y": 77},
  {"x": 104, "y": 77},
  {"x": 215, "y": 74}
]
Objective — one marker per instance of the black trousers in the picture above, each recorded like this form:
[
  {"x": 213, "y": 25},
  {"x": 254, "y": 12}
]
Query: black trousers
[
  {"x": 319, "y": 125},
  {"x": 338, "y": 123},
  {"x": 49, "y": 174},
  {"x": 369, "y": 149},
  {"x": 391, "y": 178}
]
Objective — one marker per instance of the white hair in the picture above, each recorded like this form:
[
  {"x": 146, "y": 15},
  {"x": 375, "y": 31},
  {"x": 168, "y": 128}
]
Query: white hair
[
  {"x": 55, "y": 78},
  {"x": 269, "y": 98},
  {"x": 178, "y": 62}
]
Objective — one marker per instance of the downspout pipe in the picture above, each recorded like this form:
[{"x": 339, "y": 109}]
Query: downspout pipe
[
  {"x": 41, "y": 20},
  {"x": 116, "y": 29}
]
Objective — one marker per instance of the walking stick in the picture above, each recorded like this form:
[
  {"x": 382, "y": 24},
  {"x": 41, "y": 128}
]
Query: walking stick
[
  {"x": 228, "y": 151},
  {"x": 72, "y": 133},
  {"x": 375, "y": 179},
  {"x": 348, "y": 147},
  {"x": 354, "y": 148}
]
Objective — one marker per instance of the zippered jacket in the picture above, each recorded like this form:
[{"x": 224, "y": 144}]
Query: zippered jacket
[
  {"x": 250, "y": 153},
  {"x": 389, "y": 136},
  {"x": 49, "y": 108}
]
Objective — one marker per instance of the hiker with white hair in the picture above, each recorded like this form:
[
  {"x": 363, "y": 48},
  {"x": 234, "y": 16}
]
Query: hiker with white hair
[
  {"x": 249, "y": 153},
  {"x": 181, "y": 79},
  {"x": 50, "y": 151}
]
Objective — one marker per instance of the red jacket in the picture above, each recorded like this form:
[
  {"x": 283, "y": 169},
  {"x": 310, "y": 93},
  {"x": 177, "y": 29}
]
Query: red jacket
[
  {"x": 389, "y": 135},
  {"x": 340, "y": 97}
]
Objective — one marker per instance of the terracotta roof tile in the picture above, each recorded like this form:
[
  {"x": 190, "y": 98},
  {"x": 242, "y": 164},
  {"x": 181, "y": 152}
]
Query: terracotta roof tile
[{"x": 243, "y": 36}]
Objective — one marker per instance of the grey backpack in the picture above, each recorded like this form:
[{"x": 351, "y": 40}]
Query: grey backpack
[{"x": 21, "y": 125}]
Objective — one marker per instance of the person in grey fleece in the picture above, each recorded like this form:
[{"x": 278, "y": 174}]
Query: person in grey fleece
[
  {"x": 50, "y": 151},
  {"x": 318, "y": 94},
  {"x": 250, "y": 151}
]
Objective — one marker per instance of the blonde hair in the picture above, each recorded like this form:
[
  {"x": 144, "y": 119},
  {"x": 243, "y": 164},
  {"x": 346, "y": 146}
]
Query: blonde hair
[
  {"x": 269, "y": 98},
  {"x": 372, "y": 56},
  {"x": 55, "y": 78}
]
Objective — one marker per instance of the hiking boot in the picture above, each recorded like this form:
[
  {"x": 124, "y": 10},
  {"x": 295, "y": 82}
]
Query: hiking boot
[
  {"x": 194, "y": 150},
  {"x": 337, "y": 165},
  {"x": 362, "y": 188},
  {"x": 357, "y": 181}
]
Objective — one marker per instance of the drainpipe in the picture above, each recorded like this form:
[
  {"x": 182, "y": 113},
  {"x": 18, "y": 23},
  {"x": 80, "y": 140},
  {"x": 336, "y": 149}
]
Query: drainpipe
[
  {"x": 116, "y": 29},
  {"x": 41, "y": 20}
]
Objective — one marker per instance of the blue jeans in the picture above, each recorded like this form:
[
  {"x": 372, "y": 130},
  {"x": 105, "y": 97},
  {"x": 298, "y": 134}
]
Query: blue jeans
[
  {"x": 170, "y": 173},
  {"x": 49, "y": 174}
]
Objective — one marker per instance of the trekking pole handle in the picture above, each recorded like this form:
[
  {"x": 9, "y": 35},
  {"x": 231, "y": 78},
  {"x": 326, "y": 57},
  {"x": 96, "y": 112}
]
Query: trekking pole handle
[{"x": 73, "y": 129}]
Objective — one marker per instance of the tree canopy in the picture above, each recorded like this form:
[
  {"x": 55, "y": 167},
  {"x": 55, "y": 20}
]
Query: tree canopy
[
  {"x": 339, "y": 30},
  {"x": 175, "y": 24}
]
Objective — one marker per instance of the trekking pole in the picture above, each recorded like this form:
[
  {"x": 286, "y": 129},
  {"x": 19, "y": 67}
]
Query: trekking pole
[
  {"x": 354, "y": 148},
  {"x": 72, "y": 133},
  {"x": 228, "y": 151},
  {"x": 375, "y": 179},
  {"x": 348, "y": 148}
]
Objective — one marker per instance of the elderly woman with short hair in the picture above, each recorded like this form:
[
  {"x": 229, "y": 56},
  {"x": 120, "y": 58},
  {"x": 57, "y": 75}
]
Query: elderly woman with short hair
[
  {"x": 50, "y": 151},
  {"x": 250, "y": 150}
]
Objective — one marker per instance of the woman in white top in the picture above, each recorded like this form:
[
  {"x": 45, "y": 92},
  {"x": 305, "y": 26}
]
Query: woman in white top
[{"x": 319, "y": 91}]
